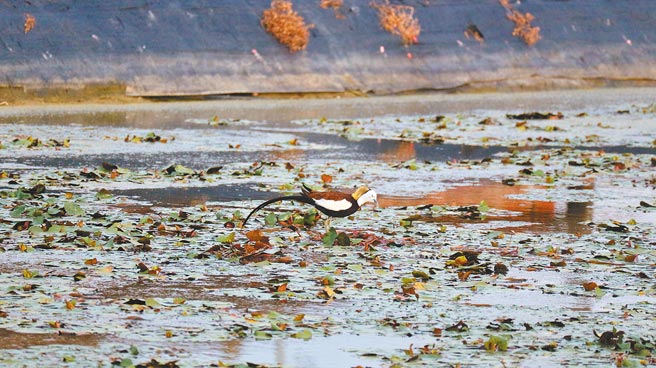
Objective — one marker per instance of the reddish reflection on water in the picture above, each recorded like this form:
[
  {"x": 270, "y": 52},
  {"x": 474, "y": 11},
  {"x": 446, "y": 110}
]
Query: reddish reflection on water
[
  {"x": 570, "y": 217},
  {"x": 399, "y": 152}
]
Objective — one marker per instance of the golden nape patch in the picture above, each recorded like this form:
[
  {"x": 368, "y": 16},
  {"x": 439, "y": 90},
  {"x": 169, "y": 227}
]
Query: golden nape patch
[{"x": 358, "y": 193}]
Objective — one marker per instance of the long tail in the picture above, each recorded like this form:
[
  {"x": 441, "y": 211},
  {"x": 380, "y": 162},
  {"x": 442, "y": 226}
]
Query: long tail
[{"x": 298, "y": 198}]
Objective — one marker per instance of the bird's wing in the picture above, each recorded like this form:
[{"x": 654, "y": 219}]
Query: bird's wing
[
  {"x": 333, "y": 201},
  {"x": 329, "y": 196}
]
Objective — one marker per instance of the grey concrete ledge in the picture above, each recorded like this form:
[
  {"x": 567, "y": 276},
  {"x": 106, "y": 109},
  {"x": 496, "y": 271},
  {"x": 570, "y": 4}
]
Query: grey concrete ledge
[{"x": 181, "y": 48}]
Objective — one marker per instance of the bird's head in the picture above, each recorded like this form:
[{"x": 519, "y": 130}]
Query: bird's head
[{"x": 365, "y": 195}]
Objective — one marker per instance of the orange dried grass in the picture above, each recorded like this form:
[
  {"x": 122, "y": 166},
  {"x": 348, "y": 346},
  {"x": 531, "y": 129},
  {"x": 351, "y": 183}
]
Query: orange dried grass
[
  {"x": 523, "y": 28},
  {"x": 335, "y": 4},
  {"x": 286, "y": 25},
  {"x": 399, "y": 20},
  {"x": 30, "y": 22}
]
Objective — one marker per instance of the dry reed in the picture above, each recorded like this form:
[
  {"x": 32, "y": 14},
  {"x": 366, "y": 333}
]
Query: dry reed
[{"x": 286, "y": 25}]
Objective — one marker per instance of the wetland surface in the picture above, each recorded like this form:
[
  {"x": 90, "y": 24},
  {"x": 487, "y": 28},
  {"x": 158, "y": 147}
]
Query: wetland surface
[{"x": 512, "y": 230}]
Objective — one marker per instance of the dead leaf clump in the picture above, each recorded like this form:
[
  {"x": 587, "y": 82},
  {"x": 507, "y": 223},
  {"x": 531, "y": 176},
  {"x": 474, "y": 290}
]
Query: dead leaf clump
[
  {"x": 335, "y": 4},
  {"x": 286, "y": 25},
  {"x": 523, "y": 28},
  {"x": 30, "y": 22},
  {"x": 473, "y": 32},
  {"x": 399, "y": 20}
]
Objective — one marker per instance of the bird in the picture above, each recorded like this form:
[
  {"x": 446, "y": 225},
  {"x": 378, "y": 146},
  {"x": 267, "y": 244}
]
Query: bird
[{"x": 330, "y": 203}]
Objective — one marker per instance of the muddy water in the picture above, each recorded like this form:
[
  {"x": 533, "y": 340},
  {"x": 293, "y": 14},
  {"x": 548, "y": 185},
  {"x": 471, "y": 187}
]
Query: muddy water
[{"x": 16, "y": 340}]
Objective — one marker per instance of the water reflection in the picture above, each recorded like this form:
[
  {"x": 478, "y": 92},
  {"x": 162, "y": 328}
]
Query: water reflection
[
  {"x": 570, "y": 217},
  {"x": 395, "y": 151},
  {"x": 193, "y": 196},
  {"x": 340, "y": 350}
]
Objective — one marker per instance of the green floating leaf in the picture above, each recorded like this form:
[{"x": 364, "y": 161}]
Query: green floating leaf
[
  {"x": 103, "y": 194},
  {"x": 405, "y": 223},
  {"x": 299, "y": 220},
  {"x": 483, "y": 207},
  {"x": 408, "y": 280},
  {"x": 35, "y": 229},
  {"x": 411, "y": 165},
  {"x": 270, "y": 219},
  {"x": 329, "y": 238},
  {"x": 72, "y": 209},
  {"x": 421, "y": 275},
  {"x": 497, "y": 343},
  {"x": 437, "y": 208},
  {"x": 305, "y": 334},
  {"x": 20, "y": 194},
  {"x": 178, "y": 170},
  {"x": 134, "y": 350},
  {"x": 355, "y": 267},
  {"x": 17, "y": 211},
  {"x": 52, "y": 211},
  {"x": 262, "y": 335},
  {"x": 226, "y": 239},
  {"x": 151, "y": 302},
  {"x": 343, "y": 240}
]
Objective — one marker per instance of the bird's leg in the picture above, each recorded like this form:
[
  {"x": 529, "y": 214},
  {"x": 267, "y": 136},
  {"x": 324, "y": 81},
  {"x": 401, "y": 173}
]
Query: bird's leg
[{"x": 326, "y": 224}]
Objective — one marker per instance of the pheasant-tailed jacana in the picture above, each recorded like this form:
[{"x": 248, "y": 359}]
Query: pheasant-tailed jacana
[{"x": 331, "y": 203}]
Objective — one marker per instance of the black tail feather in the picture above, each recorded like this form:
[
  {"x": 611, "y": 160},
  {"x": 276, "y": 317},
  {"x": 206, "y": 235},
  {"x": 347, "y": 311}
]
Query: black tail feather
[
  {"x": 306, "y": 190},
  {"x": 299, "y": 198}
]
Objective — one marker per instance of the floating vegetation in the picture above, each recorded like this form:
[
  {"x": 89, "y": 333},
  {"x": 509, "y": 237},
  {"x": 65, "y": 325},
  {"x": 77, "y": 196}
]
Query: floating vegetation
[{"x": 524, "y": 253}]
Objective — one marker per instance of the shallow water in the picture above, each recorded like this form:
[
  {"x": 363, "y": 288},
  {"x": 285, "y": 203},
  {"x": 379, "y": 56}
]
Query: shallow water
[{"x": 150, "y": 264}]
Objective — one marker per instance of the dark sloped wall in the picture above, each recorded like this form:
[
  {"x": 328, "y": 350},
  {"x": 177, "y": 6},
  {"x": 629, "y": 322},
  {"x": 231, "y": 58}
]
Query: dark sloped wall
[{"x": 182, "y": 47}]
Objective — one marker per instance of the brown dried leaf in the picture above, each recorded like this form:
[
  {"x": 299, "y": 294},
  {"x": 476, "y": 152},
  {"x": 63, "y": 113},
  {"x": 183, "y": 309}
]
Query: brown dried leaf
[
  {"x": 630, "y": 258},
  {"x": 464, "y": 275},
  {"x": 257, "y": 236},
  {"x": 589, "y": 286}
]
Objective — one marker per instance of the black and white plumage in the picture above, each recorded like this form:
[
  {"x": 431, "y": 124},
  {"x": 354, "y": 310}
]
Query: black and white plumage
[{"x": 331, "y": 204}]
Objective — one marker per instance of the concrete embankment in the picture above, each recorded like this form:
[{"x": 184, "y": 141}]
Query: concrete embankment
[{"x": 68, "y": 49}]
